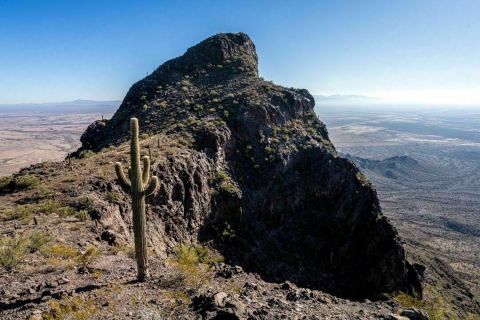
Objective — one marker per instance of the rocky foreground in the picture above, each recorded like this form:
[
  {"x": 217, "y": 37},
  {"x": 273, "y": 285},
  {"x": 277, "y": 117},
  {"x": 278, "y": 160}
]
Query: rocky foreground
[{"x": 256, "y": 217}]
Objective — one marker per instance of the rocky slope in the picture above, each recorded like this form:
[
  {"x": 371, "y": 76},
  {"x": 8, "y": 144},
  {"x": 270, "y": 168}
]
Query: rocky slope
[{"x": 295, "y": 210}]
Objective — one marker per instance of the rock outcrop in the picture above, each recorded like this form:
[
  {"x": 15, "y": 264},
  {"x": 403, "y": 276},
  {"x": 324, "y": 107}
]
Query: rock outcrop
[{"x": 250, "y": 166}]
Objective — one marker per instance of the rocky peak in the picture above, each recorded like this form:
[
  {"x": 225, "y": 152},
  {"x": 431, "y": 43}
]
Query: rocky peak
[
  {"x": 221, "y": 71},
  {"x": 246, "y": 164},
  {"x": 223, "y": 50}
]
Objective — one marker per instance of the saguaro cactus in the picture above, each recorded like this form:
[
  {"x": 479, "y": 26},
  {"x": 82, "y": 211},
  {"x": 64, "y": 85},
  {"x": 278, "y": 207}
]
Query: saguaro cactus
[{"x": 139, "y": 187}]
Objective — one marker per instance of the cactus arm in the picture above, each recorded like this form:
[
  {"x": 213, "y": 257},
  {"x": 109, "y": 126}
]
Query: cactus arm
[
  {"x": 152, "y": 186},
  {"x": 146, "y": 170},
  {"x": 122, "y": 180}
]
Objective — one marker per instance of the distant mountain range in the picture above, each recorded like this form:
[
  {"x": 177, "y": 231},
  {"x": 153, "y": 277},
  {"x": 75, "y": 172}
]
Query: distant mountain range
[
  {"x": 93, "y": 106},
  {"x": 77, "y": 106}
]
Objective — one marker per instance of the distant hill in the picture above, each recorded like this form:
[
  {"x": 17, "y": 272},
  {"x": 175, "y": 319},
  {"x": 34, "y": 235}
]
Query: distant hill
[
  {"x": 403, "y": 168},
  {"x": 77, "y": 106}
]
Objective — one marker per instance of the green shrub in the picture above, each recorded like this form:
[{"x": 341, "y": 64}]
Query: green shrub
[
  {"x": 23, "y": 212},
  {"x": 5, "y": 182},
  {"x": 84, "y": 154},
  {"x": 223, "y": 182},
  {"x": 82, "y": 215},
  {"x": 219, "y": 177},
  {"x": 26, "y": 182},
  {"x": 193, "y": 263},
  {"x": 38, "y": 239},
  {"x": 49, "y": 206},
  {"x": 229, "y": 187},
  {"x": 12, "y": 252},
  {"x": 312, "y": 131},
  {"x": 66, "y": 211},
  {"x": 225, "y": 231},
  {"x": 45, "y": 191},
  {"x": 186, "y": 255},
  {"x": 53, "y": 206}
]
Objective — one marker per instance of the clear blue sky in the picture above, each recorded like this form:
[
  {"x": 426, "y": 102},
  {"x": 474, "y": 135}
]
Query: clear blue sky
[{"x": 414, "y": 49}]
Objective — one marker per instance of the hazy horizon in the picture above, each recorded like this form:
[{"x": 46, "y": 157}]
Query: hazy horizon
[{"x": 342, "y": 100}]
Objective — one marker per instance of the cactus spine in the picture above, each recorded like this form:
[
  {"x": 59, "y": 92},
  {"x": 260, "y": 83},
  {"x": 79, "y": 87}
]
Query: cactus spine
[{"x": 139, "y": 187}]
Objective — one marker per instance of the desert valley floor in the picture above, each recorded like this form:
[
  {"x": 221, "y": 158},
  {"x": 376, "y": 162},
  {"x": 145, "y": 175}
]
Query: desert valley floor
[{"x": 425, "y": 167}]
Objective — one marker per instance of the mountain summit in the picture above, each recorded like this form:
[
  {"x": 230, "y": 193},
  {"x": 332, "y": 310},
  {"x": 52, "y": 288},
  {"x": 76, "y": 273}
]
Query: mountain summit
[
  {"x": 247, "y": 165},
  {"x": 234, "y": 51}
]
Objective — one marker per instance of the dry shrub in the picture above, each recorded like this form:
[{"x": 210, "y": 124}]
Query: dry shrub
[{"x": 74, "y": 308}]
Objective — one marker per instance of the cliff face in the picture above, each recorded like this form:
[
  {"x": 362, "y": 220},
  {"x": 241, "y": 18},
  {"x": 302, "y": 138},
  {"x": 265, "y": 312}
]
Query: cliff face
[{"x": 250, "y": 166}]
